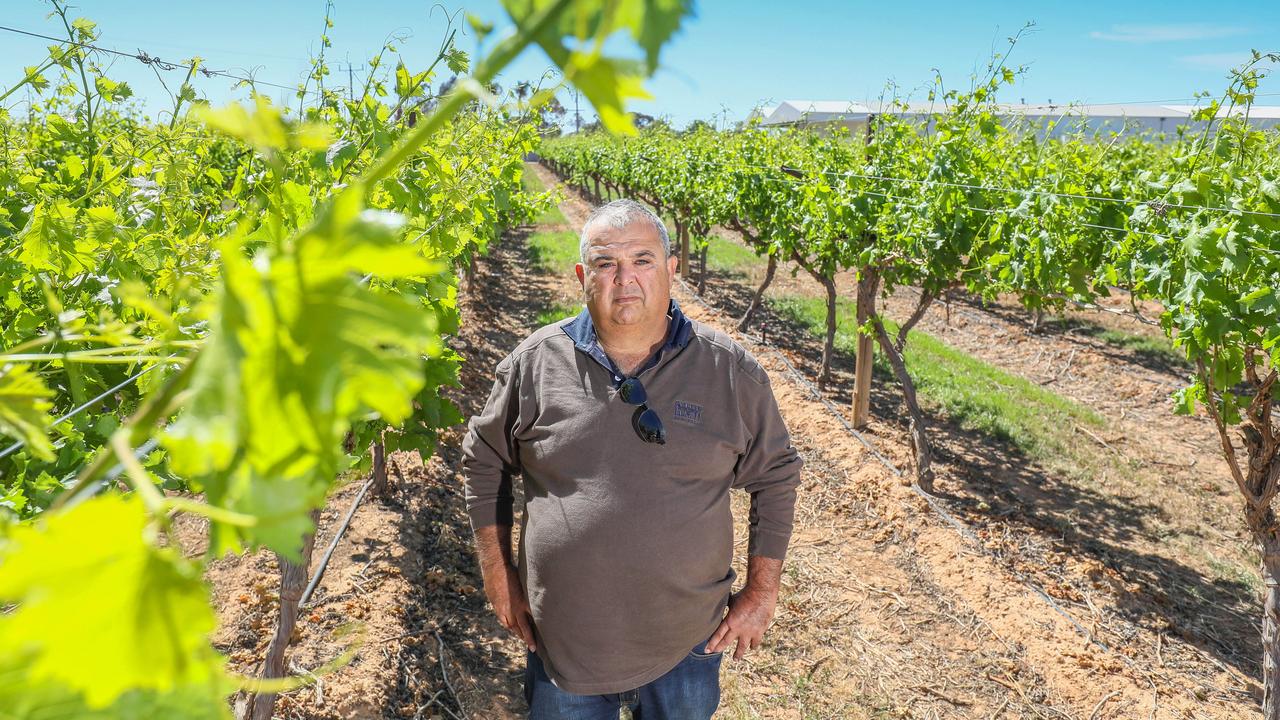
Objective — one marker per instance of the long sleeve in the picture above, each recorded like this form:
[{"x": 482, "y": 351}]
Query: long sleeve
[
  {"x": 769, "y": 469},
  {"x": 490, "y": 458}
]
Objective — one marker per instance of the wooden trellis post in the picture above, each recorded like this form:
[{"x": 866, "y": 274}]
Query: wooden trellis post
[{"x": 865, "y": 354}]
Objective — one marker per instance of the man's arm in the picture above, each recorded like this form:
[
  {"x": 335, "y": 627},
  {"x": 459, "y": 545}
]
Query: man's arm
[
  {"x": 490, "y": 459},
  {"x": 502, "y": 582},
  {"x": 770, "y": 471}
]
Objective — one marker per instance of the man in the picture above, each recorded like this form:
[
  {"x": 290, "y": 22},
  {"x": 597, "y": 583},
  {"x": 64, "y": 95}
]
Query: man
[{"x": 629, "y": 424}]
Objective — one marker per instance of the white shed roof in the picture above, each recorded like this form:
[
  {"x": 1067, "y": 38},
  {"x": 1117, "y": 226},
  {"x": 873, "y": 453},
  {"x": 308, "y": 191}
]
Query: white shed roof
[{"x": 817, "y": 111}]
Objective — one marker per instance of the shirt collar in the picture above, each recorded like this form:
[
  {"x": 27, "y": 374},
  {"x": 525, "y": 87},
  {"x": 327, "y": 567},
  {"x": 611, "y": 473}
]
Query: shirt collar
[{"x": 583, "y": 332}]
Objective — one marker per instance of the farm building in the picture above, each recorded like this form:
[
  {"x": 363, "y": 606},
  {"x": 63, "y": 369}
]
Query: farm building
[{"x": 1056, "y": 120}]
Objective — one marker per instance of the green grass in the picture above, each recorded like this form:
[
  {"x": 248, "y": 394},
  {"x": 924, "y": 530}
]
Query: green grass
[
  {"x": 724, "y": 255},
  {"x": 1156, "y": 348},
  {"x": 554, "y": 252},
  {"x": 1227, "y": 571},
  {"x": 974, "y": 394},
  {"x": 556, "y": 312},
  {"x": 534, "y": 185}
]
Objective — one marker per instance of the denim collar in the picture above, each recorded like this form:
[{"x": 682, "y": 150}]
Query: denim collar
[{"x": 583, "y": 333}]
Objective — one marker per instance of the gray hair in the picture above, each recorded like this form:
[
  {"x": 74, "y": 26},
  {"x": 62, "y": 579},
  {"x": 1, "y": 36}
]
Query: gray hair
[{"x": 618, "y": 214}]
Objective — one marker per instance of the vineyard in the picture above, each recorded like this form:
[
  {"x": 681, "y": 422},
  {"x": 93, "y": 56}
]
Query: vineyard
[{"x": 223, "y": 328}]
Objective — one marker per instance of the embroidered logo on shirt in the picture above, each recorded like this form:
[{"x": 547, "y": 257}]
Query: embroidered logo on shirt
[{"x": 687, "y": 412}]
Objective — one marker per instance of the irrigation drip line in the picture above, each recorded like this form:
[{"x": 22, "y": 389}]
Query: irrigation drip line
[
  {"x": 142, "y": 451},
  {"x": 333, "y": 544},
  {"x": 146, "y": 58},
  {"x": 84, "y": 406},
  {"x": 985, "y": 188}
]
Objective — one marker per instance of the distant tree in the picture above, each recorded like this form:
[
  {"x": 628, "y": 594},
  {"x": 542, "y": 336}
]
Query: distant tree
[
  {"x": 643, "y": 121},
  {"x": 697, "y": 125},
  {"x": 549, "y": 117},
  {"x": 662, "y": 122}
]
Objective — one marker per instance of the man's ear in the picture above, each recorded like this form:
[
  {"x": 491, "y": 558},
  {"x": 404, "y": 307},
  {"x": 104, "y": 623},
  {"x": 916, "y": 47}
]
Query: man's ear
[
  {"x": 581, "y": 273},
  {"x": 672, "y": 262}
]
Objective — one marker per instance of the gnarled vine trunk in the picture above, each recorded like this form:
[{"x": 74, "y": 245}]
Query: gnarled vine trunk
[
  {"x": 683, "y": 228},
  {"x": 758, "y": 297},
  {"x": 1270, "y": 543},
  {"x": 829, "y": 344},
  {"x": 293, "y": 581},
  {"x": 917, "y": 426},
  {"x": 1259, "y": 483},
  {"x": 702, "y": 231},
  {"x": 380, "y": 485}
]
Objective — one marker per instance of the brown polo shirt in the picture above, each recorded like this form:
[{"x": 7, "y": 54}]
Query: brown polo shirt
[{"x": 625, "y": 546}]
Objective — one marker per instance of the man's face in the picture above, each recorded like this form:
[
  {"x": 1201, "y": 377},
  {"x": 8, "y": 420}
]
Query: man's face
[{"x": 626, "y": 278}]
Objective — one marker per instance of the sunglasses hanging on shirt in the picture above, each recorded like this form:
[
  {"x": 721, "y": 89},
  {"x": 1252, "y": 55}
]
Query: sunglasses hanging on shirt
[{"x": 646, "y": 422}]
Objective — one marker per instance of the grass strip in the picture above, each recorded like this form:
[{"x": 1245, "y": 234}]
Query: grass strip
[
  {"x": 554, "y": 251},
  {"x": 555, "y": 312},
  {"x": 533, "y": 185},
  {"x": 724, "y": 255},
  {"x": 975, "y": 395}
]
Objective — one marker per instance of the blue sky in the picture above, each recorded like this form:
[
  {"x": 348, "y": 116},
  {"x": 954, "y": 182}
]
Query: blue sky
[{"x": 731, "y": 56}]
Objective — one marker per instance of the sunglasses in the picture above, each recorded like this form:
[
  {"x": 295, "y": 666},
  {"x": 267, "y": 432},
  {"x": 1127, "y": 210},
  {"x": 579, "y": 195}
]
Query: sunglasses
[{"x": 646, "y": 422}]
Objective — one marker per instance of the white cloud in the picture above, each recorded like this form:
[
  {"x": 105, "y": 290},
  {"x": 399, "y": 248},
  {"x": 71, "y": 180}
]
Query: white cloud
[
  {"x": 1217, "y": 61},
  {"x": 1167, "y": 33}
]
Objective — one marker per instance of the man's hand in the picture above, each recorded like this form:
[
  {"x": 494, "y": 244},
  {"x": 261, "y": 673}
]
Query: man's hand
[
  {"x": 502, "y": 587},
  {"x": 750, "y": 612},
  {"x": 502, "y": 582},
  {"x": 750, "y": 609}
]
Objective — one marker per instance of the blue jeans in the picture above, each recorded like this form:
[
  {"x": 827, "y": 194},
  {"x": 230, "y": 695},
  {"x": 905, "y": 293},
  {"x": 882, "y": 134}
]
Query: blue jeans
[{"x": 689, "y": 691}]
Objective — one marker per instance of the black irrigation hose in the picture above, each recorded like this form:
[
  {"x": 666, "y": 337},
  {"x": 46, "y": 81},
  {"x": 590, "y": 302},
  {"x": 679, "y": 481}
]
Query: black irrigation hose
[
  {"x": 333, "y": 544},
  {"x": 84, "y": 406}
]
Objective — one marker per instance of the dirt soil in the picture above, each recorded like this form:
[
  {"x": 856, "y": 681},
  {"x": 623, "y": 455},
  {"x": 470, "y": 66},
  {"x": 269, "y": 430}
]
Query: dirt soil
[{"x": 887, "y": 609}]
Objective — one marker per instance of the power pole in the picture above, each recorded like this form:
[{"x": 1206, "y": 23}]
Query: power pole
[
  {"x": 577, "y": 116},
  {"x": 351, "y": 79}
]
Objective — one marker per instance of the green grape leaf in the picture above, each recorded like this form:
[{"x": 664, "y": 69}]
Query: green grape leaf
[
  {"x": 101, "y": 610},
  {"x": 480, "y": 27},
  {"x": 607, "y": 82},
  {"x": 50, "y": 241},
  {"x": 73, "y": 166},
  {"x": 300, "y": 347},
  {"x": 24, "y": 406},
  {"x": 25, "y": 699},
  {"x": 457, "y": 60},
  {"x": 266, "y": 128},
  {"x": 406, "y": 82},
  {"x": 111, "y": 91},
  {"x": 85, "y": 28},
  {"x": 37, "y": 81},
  {"x": 1184, "y": 400}
]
